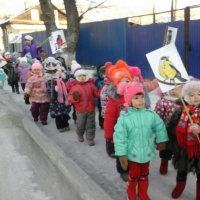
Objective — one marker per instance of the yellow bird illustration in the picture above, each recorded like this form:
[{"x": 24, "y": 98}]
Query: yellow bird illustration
[{"x": 168, "y": 71}]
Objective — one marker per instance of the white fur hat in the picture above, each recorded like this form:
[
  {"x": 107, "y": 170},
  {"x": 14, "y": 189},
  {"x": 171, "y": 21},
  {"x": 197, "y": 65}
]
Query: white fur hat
[
  {"x": 74, "y": 66},
  {"x": 28, "y": 37},
  {"x": 188, "y": 88},
  {"x": 22, "y": 59}
]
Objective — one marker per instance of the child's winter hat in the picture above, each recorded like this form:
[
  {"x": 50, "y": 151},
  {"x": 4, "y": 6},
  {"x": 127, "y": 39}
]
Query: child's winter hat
[
  {"x": 80, "y": 71},
  {"x": 119, "y": 71},
  {"x": 135, "y": 71},
  {"x": 188, "y": 88},
  {"x": 129, "y": 90},
  {"x": 36, "y": 65},
  {"x": 74, "y": 66},
  {"x": 22, "y": 59}
]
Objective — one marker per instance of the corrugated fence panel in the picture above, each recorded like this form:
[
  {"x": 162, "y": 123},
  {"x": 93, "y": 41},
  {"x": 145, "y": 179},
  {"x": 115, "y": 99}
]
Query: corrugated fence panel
[
  {"x": 194, "y": 61},
  {"x": 144, "y": 39},
  {"x": 101, "y": 41}
]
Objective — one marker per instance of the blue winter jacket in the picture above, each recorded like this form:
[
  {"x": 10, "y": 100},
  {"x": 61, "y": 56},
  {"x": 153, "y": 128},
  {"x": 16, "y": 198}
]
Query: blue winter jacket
[{"x": 134, "y": 133}]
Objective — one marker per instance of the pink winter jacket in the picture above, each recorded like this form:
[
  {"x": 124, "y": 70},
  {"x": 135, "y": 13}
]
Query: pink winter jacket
[{"x": 87, "y": 91}]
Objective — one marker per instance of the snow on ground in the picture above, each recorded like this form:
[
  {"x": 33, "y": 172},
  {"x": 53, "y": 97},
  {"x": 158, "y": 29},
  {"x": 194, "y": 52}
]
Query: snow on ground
[{"x": 101, "y": 168}]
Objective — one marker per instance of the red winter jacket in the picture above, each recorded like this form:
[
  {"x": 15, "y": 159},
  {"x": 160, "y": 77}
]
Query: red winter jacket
[
  {"x": 113, "y": 109},
  {"x": 87, "y": 91}
]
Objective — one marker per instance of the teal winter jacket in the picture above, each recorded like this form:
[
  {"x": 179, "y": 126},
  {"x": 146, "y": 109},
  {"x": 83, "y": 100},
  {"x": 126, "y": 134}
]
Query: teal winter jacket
[{"x": 134, "y": 134}]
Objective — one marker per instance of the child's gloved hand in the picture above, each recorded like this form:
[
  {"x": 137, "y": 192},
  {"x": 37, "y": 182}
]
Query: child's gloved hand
[
  {"x": 194, "y": 128},
  {"x": 75, "y": 95},
  {"x": 124, "y": 162},
  {"x": 161, "y": 146},
  {"x": 26, "y": 96}
]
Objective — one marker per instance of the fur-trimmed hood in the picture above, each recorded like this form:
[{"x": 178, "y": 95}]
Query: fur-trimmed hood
[{"x": 112, "y": 91}]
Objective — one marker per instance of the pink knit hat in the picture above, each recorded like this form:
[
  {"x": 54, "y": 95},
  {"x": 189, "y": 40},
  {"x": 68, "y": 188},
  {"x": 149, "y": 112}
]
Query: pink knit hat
[
  {"x": 37, "y": 65},
  {"x": 129, "y": 90},
  {"x": 74, "y": 66},
  {"x": 135, "y": 71}
]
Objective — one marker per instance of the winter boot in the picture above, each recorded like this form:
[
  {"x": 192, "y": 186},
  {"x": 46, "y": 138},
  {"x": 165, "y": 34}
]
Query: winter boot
[
  {"x": 163, "y": 166},
  {"x": 13, "y": 89},
  {"x": 131, "y": 188},
  {"x": 180, "y": 185},
  {"x": 17, "y": 90},
  {"x": 198, "y": 191},
  {"x": 143, "y": 185}
]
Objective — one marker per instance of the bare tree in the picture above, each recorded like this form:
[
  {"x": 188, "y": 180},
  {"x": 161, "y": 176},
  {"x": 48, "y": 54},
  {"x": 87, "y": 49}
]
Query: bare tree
[{"x": 48, "y": 16}]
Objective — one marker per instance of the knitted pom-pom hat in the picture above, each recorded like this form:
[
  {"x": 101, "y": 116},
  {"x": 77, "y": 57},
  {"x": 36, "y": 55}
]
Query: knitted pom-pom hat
[
  {"x": 188, "y": 88},
  {"x": 22, "y": 59},
  {"x": 37, "y": 65},
  {"x": 129, "y": 90},
  {"x": 135, "y": 71},
  {"x": 118, "y": 72},
  {"x": 74, "y": 66}
]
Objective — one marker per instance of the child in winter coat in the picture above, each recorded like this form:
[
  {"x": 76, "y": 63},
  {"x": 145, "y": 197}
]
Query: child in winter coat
[
  {"x": 133, "y": 139},
  {"x": 117, "y": 73},
  {"x": 165, "y": 107},
  {"x": 22, "y": 69},
  {"x": 35, "y": 89},
  {"x": 57, "y": 92},
  {"x": 12, "y": 77},
  {"x": 184, "y": 132},
  {"x": 82, "y": 92},
  {"x": 147, "y": 86}
]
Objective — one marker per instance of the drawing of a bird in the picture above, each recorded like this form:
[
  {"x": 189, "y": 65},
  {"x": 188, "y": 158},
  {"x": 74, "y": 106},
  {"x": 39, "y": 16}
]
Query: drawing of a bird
[{"x": 167, "y": 70}]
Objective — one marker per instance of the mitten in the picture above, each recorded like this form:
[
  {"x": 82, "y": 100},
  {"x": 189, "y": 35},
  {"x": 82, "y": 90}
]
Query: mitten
[
  {"x": 26, "y": 96},
  {"x": 161, "y": 146},
  {"x": 124, "y": 162},
  {"x": 194, "y": 128},
  {"x": 56, "y": 88},
  {"x": 75, "y": 95}
]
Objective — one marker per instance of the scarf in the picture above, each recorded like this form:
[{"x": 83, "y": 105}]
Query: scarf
[
  {"x": 185, "y": 138},
  {"x": 39, "y": 80},
  {"x": 62, "y": 91}
]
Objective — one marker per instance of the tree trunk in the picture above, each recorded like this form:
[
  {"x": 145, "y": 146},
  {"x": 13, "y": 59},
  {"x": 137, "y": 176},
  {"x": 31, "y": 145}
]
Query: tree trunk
[
  {"x": 48, "y": 16},
  {"x": 73, "y": 26}
]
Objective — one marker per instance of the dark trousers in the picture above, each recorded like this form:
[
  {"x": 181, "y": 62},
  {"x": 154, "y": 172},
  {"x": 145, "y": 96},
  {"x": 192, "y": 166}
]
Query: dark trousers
[
  {"x": 15, "y": 86},
  {"x": 101, "y": 119},
  {"x": 40, "y": 110},
  {"x": 23, "y": 86},
  {"x": 62, "y": 121},
  {"x": 166, "y": 154}
]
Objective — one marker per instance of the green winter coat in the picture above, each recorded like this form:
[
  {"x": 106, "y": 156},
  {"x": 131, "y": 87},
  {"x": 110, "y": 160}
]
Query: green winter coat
[{"x": 134, "y": 132}]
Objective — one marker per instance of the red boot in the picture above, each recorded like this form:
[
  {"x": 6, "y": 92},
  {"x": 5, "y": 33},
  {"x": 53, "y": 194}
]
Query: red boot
[
  {"x": 198, "y": 191},
  {"x": 143, "y": 185},
  {"x": 180, "y": 185},
  {"x": 131, "y": 188},
  {"x": 163, "y": 166}
]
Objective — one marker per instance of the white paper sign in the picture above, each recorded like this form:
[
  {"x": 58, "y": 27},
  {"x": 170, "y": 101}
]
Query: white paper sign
[
  {"x": 14, "y": 38},
  {"x": 170, "y": 35},
  {"x": 167, "y": 67},
  {"x": 57, "y": 41}
]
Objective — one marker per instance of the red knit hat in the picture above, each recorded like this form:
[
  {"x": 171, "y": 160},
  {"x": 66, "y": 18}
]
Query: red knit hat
[
  {"x": 118, "y": 72},
  {"x": 129, "y": 90},
  {"x": 135, "y": 71}
]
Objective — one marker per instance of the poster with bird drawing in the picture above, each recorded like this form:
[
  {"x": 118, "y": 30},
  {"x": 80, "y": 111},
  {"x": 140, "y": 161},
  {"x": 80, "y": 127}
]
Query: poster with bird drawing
[
  {"x": 170, "y": 35},
  {"x": 167, "y": 67}
]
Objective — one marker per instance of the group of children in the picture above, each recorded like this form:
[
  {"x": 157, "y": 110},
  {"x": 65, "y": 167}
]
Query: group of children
[{"x": 132, "y": 130}]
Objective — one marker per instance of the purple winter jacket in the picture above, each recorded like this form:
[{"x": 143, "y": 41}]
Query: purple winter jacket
[
  {"x": 22, "y": 73},
  {"x": 32, "y": 49}
]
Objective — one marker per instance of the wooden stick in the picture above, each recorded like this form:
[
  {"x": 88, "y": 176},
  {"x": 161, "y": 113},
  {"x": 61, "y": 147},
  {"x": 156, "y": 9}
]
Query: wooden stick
[{"x": 188, "y": 114}]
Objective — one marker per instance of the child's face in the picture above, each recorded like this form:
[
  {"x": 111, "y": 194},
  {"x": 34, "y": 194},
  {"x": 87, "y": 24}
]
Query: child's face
[
  {"x": 175, "y": 92},
  {"x": 103, "y": 75},
  {"x": 136, "y": 79},
  {"x": 194, "y": 98},
  {"x": 138, "y": 101},
  {"x": 36, "y": 71},
  {"x": 126, "y": 80},
  {"x": 82, "y": 78},
  {"x": 23, "y": 64}
]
